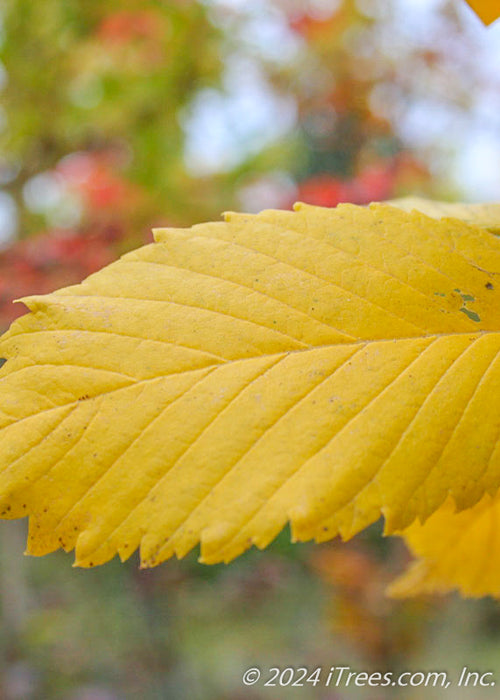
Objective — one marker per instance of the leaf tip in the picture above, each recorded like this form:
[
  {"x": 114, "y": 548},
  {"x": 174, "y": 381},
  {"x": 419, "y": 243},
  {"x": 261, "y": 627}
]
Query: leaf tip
[
  {"x": 159, "y": 234},
  {"x": 417, "y": 580},
  {"x": 33, "y": 303},
  {"x": 409, "y": 583}
]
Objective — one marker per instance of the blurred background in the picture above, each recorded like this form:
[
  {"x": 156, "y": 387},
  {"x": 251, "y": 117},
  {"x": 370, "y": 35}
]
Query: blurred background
[{"x": 119, "y": 116}]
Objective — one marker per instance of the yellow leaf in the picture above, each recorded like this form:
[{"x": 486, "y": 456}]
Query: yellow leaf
[
  {"x": 458, "y": 550},
  {"x": 484, "y": 215},
  {"x": 320, "y": 367},
  {"x": 487, "y": 10}
]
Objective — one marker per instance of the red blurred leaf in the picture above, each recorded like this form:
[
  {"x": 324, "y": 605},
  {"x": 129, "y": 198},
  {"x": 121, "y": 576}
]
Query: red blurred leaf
[{"x": 123, "y": 26}]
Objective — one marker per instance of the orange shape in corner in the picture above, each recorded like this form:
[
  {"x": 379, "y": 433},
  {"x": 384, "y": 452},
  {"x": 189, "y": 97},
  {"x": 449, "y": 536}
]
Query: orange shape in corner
[{"x": 487, "y": 10}]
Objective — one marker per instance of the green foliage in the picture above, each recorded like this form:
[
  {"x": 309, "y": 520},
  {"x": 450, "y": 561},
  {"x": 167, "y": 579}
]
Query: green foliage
[{"x": 107, "y": 76}]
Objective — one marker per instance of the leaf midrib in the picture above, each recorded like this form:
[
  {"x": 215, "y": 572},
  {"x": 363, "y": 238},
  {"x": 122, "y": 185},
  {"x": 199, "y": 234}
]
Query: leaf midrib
[{"x": 214, "y": 366}]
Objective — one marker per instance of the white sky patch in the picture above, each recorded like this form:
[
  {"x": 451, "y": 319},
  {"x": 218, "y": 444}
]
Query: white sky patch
[
  {"x": 48, "y": 194},
  {"x": 224, "y": 128},
  {"x": 478, "y": 165},
  {"x": 271, "y": 37},
  {"x": 8, "y": 218},
  {"x": 265, "y": 192},
  {"x": 428, "y": 121},
  {"x": 43, "y": 192}
]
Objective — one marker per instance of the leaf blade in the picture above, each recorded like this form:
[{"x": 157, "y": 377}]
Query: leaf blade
[
  {"x": 487, "y": 10},
  {"x": 444, "y": 543},
  {"x": 283, "y": 367}
]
